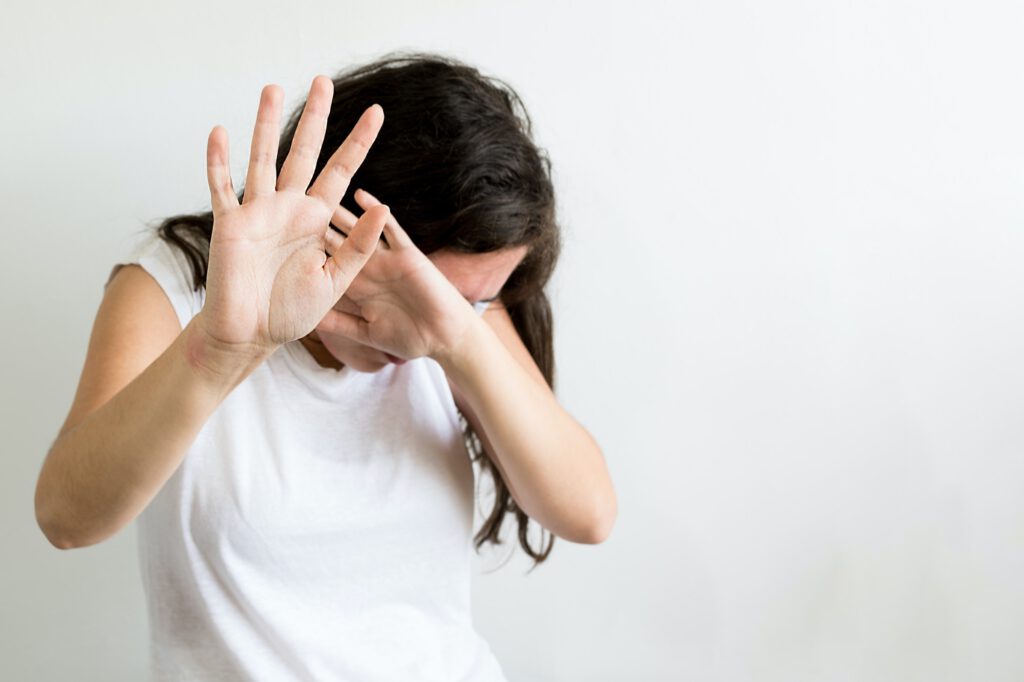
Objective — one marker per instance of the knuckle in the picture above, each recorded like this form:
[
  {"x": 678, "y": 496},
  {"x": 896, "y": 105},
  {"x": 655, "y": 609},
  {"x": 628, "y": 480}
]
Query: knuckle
[
  {"x": 303, "y": 151},
  {"x": 343, "y": 170},
  {"x": 359, "y": 144},
  {"x": 261, "y": 157}
]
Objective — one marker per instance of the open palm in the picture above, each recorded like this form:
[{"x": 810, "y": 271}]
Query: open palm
[
  {"x": 408, "y": 308},
  {"x": 269, "y": 280}
]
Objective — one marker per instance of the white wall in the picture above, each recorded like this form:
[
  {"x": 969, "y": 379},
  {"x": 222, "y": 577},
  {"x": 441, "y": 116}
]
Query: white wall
[{"x": 789, "y": 309}]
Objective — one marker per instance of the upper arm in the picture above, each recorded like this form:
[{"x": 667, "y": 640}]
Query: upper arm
[{"x": 134, "y": 325}]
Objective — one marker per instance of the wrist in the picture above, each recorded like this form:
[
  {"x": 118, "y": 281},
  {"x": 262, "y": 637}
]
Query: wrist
[
  {"x": 455, "y": 356},
  {"x": 215, "y": 362}
]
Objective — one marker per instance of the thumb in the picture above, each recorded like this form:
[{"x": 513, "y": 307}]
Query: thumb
[
  {"x": 341, "y": 323},
  {"x": 356, "y": 249}
]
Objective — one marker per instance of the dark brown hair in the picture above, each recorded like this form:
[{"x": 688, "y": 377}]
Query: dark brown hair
[{"x": 456, "y": 163}]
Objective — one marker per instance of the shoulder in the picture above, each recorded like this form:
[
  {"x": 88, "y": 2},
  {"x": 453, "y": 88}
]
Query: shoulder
[
  {"x": 135, "y": 323},
  {"x": 170, "y": 268}
]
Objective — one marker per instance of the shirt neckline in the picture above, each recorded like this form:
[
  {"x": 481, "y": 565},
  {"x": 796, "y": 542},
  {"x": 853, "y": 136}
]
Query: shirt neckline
[
  {"x": 331, "y": 383},
  {"x": 325, "y": 382}
]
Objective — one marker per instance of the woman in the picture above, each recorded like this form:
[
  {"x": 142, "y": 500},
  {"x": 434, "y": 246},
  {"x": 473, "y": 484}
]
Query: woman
[{"x": 283, "y": 392}]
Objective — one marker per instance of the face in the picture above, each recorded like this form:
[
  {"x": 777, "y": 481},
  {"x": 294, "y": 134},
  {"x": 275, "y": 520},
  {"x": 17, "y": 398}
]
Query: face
[{"x": 478, "y": 276}]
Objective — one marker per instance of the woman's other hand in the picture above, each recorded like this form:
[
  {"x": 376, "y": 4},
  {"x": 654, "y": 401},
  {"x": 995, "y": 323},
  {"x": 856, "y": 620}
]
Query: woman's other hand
[
  {"x": 406, "y": 306},
  {"x": 269, "y": 280}
]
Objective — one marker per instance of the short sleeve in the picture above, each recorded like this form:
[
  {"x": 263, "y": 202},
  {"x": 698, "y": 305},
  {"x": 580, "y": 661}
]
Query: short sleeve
[{"x": 170, "y": 268}]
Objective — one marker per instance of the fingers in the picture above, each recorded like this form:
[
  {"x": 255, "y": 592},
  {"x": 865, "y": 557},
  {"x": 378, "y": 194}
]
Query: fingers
[
  {"x": 345, "y": 220},
  {"x": 340, "y": 323},
  {"x": 260, "y": 178},
  {"x": 355, "y": 250},
  {"x": 299, "y": 166},
  {"x": 393, "y": 232},
  {"x": 218, "y": 171},
  {"x": 333, "y": 241},
  {"x": 334, "y": 179}
]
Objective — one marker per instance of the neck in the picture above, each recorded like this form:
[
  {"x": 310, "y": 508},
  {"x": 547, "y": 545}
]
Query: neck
[{"x": 319, "y": 352}]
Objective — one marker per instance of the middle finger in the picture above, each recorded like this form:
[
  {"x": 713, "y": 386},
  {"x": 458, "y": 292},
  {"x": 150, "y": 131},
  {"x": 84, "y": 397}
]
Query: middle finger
[
  {"x": 298, "y": 167},
  {"x": 333, "y": 180},
  {"x": 259, "y": 179}
]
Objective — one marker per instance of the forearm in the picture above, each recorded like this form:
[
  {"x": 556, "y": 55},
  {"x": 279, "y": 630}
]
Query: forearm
[
  {"x": 101, "y": 473},
  {"x": 551, "y": 463}
]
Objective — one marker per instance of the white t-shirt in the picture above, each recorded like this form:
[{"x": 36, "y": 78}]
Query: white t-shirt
[{"x": 319, "y": 527}]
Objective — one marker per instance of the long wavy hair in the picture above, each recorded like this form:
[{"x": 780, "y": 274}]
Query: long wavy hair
[{"x": 456, "y": 162}]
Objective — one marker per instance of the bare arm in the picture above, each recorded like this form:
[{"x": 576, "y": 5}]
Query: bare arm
[
  {"x": 144, "y": 397},
  {"x": 552, "y": 466},
  {"x": 102, "y": 471}
]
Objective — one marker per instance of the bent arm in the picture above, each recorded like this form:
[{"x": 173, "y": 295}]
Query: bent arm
[
  {"x": 552, "y": 466},
  {"x": 101, "y": 472}
]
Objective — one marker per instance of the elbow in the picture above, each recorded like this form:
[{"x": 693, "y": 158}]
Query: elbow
[
  {"x": 59, "y": 535},
  {"x": 59, "y": 542},
  {"x": 602, "y": 513},
  {"x": 599, "y": 525},
  {"x": 53, "y": 533},
  {"x": 73, "y": 535},
  {"x": 602, "y": 528},
  {"x": 52, "y": 529}
]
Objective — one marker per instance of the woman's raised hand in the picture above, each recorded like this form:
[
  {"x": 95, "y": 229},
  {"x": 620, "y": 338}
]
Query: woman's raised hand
[
  {"x": 269, "y": 280},
  {"x": 407, "y": 307}
]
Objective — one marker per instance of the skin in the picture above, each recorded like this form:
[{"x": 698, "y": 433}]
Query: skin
[
  {"x": 477, "y": 276},
  {"x": 408, "y": 304},
  {"x": 278, "y": 272},
  {"x": 277, "y": 268}
]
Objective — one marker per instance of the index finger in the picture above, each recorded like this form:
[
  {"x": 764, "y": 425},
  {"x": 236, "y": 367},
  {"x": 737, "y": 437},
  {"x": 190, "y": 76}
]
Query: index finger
[{"x": 336, "y": 175}]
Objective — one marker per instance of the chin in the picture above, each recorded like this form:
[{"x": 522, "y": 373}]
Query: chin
[
  {"x": 360, "y": 362},
  {"x": 368, "y": 367}
]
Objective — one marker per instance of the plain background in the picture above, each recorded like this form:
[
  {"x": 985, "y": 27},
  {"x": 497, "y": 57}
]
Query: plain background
[{"x": 789, "y": 309}]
